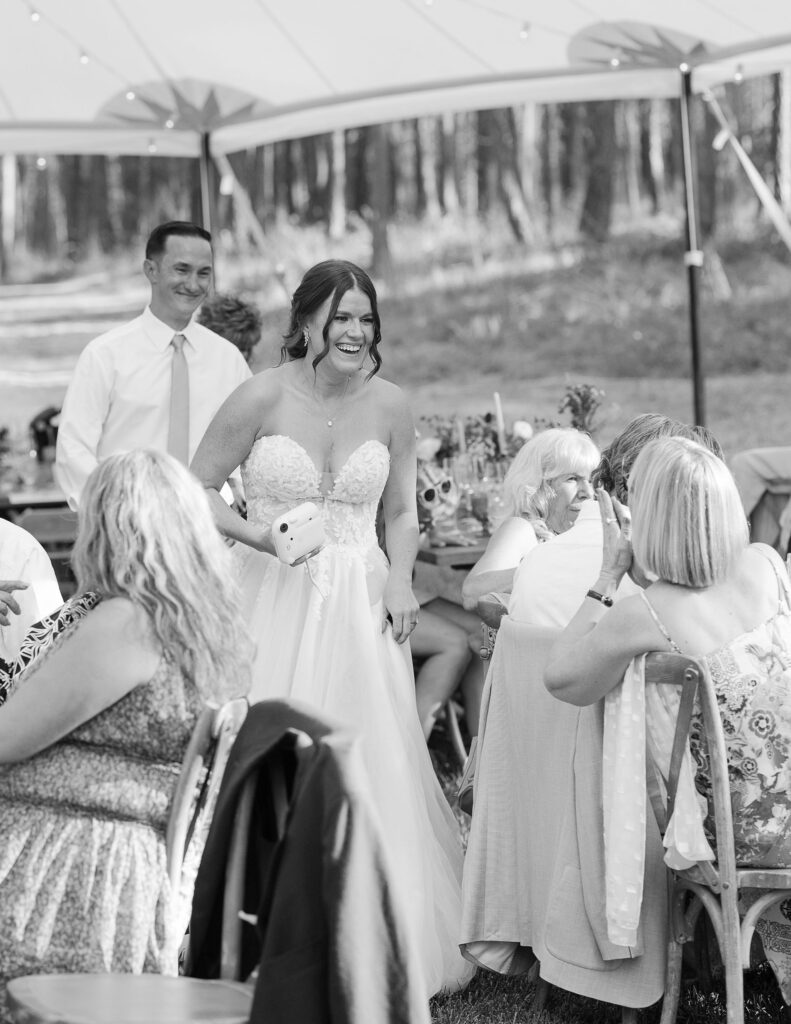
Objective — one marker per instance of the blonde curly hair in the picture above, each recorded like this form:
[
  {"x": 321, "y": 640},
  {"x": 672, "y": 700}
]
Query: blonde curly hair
[{"x": 146, "y": 533}]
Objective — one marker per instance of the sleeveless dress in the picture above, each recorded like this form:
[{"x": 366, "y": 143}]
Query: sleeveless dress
[
  {"x": 752, "y": 679},
  {"x": 317, "y": 627},
  {"x": 83, "y": 884}
]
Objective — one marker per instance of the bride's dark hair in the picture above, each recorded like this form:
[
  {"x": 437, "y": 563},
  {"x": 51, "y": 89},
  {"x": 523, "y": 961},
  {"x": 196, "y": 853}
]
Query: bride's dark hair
[{"x": 329, "y": 278}]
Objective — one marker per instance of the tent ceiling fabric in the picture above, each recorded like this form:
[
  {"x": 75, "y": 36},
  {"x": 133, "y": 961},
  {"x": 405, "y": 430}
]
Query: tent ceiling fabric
[{"x": 255, "y": 71}]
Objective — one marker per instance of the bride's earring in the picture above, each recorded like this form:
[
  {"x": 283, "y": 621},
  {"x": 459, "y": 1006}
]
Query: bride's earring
[{"x": 306, "y": 336}]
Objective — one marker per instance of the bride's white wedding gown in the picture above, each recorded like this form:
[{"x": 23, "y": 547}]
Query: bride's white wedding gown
[{"x": 318, "y": 633}]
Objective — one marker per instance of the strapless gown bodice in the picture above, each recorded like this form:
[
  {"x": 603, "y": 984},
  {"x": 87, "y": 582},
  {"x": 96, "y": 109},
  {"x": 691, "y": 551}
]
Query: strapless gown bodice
[{"x": 278, "y": 474}]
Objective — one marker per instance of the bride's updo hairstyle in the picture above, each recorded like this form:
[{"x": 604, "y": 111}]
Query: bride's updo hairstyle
[
  {"x": 146, "y": 533},
  {"x": 688, "y": 522},
  {"x": 329, "y": 279}
]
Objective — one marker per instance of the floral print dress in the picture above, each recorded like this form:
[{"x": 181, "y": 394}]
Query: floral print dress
[
  {"x": 83, "y": 883},
  {"x": 752, "y": 680}
]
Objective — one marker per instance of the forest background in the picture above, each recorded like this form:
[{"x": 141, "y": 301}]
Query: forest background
[{"x": 516, "y": 250}]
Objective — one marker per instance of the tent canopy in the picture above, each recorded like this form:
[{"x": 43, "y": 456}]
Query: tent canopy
[{"x": 110, "y": 76}]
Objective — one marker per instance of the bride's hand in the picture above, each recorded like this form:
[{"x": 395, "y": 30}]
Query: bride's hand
[
  {"x": 401, "y": 609},
  {"x": 617, "y": 536}
]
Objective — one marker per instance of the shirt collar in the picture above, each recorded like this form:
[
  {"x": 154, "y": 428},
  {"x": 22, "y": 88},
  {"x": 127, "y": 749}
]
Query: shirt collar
[{"x": 162, "y": 335}]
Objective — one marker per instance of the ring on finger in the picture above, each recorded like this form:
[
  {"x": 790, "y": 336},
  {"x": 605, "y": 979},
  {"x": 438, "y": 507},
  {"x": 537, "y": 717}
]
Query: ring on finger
[{"x": 610, "y": 519}]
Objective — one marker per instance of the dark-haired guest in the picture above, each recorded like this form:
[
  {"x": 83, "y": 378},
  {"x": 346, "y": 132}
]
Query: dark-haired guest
[
  {"x": 233, "y": 319},
  {"x": 156, "y": 381}
]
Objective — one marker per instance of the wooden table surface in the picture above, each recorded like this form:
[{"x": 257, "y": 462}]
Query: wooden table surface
[{"x": 457, "y": 556}]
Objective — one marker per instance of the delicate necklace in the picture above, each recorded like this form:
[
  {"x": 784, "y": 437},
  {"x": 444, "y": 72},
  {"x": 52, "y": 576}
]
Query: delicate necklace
[{"x": 330, "y": 416}]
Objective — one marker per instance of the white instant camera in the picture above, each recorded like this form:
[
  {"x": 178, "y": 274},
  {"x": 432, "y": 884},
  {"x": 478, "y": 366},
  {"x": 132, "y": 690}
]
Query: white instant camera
[{"x": 298, "y": 533}]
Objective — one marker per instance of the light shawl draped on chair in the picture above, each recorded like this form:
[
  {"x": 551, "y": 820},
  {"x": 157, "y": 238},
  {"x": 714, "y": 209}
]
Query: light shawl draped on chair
[
  {"x": 637, "y": 715},
  {"x": 534, "y": 871}
]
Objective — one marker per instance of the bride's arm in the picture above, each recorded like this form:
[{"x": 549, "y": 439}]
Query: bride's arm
[
  {"x": 225, "y": 445},
  {"x": 399, "y": 504}
]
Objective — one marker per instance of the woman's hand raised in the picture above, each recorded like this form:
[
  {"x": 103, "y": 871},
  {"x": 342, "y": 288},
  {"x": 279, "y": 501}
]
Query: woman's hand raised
[{"x": 617, "y": 536}]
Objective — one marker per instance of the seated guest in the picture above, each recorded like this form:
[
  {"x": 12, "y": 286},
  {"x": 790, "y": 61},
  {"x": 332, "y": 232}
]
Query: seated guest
[
  {"x": 534, "y": 875},
  {"x": 716, "y": 597},
  {"x": 756, "y": 471},
  {"x": 28, "y": 588},
  {"x": 543, "y": 491},
  {"x": 103, "y": 699}
]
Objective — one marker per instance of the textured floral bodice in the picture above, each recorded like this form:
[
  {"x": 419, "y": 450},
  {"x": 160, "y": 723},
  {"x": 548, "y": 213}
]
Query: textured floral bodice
[{"x": 278, "y": 474}]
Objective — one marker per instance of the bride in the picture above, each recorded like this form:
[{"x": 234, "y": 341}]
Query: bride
[{"x": 322, "y": 427}]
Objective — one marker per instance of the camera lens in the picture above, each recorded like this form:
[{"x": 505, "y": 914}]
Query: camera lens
[{"x": 284, "y": 527}]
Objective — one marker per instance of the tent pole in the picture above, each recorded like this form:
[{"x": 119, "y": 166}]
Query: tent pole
[
  {"x": 205, "y": 180},
  {"x": 693, "y": 257}
]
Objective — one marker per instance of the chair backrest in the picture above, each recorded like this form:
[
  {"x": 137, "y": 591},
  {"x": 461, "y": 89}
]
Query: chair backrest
[
  {"x": 693, "y": 678},
  {"x": 200, "y": 778}
]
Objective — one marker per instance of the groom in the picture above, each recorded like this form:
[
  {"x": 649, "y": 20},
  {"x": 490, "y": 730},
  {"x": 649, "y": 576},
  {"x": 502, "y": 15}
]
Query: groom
[{"x": 157, "y": 381}]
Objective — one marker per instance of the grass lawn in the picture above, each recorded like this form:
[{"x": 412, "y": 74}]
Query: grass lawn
[{"x": 523, "y": 325}]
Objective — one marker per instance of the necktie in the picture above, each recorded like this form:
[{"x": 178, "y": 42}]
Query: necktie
[{"x": 179, "y": 425}]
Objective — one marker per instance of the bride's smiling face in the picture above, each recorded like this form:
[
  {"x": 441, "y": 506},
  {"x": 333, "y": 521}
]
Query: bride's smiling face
[{"x": 350, "y": 332}]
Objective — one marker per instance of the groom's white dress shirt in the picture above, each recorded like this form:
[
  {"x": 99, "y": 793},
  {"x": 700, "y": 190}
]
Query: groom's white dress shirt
[{"x": 119, "y": 395}]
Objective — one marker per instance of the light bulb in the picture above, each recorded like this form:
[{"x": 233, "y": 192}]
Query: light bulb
[
  {"x": 738, "y": 75},
  {"x": 169, "y": 123},
  {"x": 524, "y": 31},
  {"x": 683, "y": 67},
  {"x": 41, "y": 163},
  {"x": 34, "y": 15},
  {"x": 84, "y": 58},
  {"x": 130, "y": 95},
  {"x": 152, "y": 147},
  {"x": 615, "y": 62}
]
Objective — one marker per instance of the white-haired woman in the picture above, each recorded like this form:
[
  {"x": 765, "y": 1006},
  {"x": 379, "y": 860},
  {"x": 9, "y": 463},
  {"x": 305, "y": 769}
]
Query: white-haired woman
[
  {"x": 716, "y": 597},
  {"x": 100, "y": 706},
  {"x": 543, "y": 490}
]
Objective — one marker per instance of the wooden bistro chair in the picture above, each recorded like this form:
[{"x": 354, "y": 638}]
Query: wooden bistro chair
[
  {"x": 153, "y": 998},
  {"x": 711, "y": 887}
]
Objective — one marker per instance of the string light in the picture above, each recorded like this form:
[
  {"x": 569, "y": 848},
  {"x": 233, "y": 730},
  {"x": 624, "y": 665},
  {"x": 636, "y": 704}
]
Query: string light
[
  {"x": 34, "y": 15},
  {"x": 130, "y": 95},
  {"x": 615, "y": 62},
  {"x": 152, "y": 148},
  {"x": 170, "y": 123},
  {"x": 738, "y": 76},
  {"x": 84, "y": 58},
  {"x": 683, "y": 67},
  {"x": 524, "y": 31},
  {"x": 41, "y": 163}
]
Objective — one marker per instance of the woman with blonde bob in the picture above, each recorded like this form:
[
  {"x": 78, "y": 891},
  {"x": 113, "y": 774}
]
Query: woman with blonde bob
[
  {"x": 100, "y": 707},
  {"x": 543, "y": 491},
  {"x": 716, "y": 597}
]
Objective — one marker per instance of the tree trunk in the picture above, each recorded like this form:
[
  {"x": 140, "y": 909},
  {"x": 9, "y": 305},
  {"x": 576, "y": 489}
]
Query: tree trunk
[
  {"x": 651, "y": 161},
  {"x": 550, "y": 165},
  {"x": 337, "y": 215},
  {"x": 628, "y": 130},
  {"x": 450, "y": 191},
  {"x": 600, "y": 149},
  {"x": 528, "y": 149},
  {"x": 510, "y": 185},
  {"x": 428, "y": 153},
  {"x": 381, "y": 191},
  {"x": 706, "y": 159},
  {"x": 783, "y": 144},
  {"x": 8, "y": 213},
  {"x": 467, "y": 141}
]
